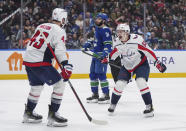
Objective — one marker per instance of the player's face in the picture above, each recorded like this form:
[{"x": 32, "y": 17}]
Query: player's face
[
  {"x": 122, "y": 35},
  {"x": 63, "y": 22},
  {"x": 99, "y": 21}
]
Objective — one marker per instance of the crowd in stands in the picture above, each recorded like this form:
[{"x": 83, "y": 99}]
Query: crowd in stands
[{"x": 165, "y": 20}]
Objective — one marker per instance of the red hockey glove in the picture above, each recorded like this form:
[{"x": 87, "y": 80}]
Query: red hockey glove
[
  {"x": 160, "y": 66},
  {"x": 67, "y": 71},
  {"x": 104, "y": 60}
]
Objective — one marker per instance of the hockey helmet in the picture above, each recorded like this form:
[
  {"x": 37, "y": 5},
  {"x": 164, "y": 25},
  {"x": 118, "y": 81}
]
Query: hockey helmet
[
  {"x": 123, "y": 27},
  {"x": 102, "y": 16},
  {"x": 59, "y": 14}
]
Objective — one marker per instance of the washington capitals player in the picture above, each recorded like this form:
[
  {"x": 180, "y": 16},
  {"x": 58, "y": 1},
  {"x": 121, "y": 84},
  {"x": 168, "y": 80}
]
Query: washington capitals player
[
  {"x": 101, "y": 46},
  {"x": 134, "y": 53},
  {"x": 37, "y": 61}
]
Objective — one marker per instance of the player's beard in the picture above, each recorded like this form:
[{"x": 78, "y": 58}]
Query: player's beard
[{"x": 99, "y": 24}]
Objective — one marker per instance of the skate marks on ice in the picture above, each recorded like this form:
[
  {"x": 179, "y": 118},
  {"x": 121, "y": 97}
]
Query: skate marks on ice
[{"x": 168, "y": 96}]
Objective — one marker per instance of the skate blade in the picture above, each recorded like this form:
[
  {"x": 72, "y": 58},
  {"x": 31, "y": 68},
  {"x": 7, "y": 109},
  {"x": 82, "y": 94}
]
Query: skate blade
[
  {"x": 104, "y": 102},
  {"x": 31, "y": 121},
  {"x": 92, "y": 101},
  {"x": 151, "y": 114},
  {"x": 55, "y": 124}
]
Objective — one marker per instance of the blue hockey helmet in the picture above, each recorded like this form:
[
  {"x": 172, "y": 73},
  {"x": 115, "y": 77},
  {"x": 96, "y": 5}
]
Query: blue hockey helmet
[{"x": 102, "y": 16}]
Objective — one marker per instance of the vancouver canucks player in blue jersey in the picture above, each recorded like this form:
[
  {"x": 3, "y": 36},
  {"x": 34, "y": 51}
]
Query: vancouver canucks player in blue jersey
[{"x": 101, "y": 45}]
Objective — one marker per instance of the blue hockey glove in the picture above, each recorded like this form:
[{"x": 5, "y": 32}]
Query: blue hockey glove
[
  {"x": 86, "y": 46},
  {"x": 104, "y": 54},
  {"x": 85, "y": 49}
]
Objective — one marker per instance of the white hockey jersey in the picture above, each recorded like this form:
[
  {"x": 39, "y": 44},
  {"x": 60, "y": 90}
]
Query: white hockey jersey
[
  {"x": 37, "y": 53},
  {"x": 133, "y": 53},
  {"x": 115, "y": 42}
]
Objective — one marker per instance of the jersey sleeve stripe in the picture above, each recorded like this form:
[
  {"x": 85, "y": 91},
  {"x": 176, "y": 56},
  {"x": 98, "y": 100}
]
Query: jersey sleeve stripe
[
  {"x": 142, "y": 61},
  {"x": 149, "y": 51},
  {"x": 113, "y": 52},
  {"x": 107, "y": 42}
]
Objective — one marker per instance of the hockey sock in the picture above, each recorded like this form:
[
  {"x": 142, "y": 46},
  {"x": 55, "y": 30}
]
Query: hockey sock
[
  {"x": 104, "y": 87},
  {"x": 94, "y": 86},
  {"x": 55, "y": 104},
  {"x": 115, "y": 98},
  {"x": 31, "y": 104},
  {"x": 147, "y": 98}
]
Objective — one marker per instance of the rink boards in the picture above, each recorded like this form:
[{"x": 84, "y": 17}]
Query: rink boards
[{"x": 12, "y": 68}]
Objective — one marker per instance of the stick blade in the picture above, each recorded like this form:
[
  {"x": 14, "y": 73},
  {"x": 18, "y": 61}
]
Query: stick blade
[{"x": 99, "y": 122}]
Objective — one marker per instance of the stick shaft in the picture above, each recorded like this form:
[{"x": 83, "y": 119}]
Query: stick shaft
[
  {"x": 100, "y": 59},
  {"x": 8, "y": 17},
  {"x": 70, "y": 84}
]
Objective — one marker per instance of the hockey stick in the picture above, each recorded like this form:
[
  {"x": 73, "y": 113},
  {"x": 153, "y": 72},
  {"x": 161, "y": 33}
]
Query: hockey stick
[
  {"x": 8, "y": 17},
  {"x": 99, "y": 122},
  {"x": 99, "y": 58}
]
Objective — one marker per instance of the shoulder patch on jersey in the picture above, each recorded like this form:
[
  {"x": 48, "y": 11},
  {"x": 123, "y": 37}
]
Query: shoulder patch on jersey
[
  {"x": 107, "y": 34},
  {"x": 136, "y": 36}
]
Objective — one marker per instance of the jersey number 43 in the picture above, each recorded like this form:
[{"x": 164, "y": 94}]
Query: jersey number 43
[{"x": 37, "y": 41}]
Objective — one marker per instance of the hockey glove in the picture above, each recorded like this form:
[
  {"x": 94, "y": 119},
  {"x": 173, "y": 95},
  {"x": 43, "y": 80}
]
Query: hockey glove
[
  {"x": 85, "y": 49},
  {"x": 67, "y": 71},
  {"x": 86, "y": 46},
  {"x": 160, "y": 66},
  {"x": 104, "y": 60},
  {"x": 104, "y": 54}
]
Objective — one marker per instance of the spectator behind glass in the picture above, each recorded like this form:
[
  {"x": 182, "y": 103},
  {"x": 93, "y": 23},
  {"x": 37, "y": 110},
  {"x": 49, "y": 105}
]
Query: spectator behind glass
[
  {"x": 153, "y": 41},
  {"x": 79, "y": 21},
  {"x": 166, "y": 16}
]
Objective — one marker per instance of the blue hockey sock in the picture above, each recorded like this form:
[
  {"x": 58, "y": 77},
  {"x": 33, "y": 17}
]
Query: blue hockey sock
[
  {"x": 147, "y": 98},
  {"x": 104, "y": 87},
  {"x": 94, "y": 86},
  {"x": 55, "y": 104},
  {"x": 105, "y": 90},
  {"x": 115, "y": 98}
]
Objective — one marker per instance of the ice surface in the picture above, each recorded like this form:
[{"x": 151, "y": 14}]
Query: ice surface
[{"x": 169, "y": 98}]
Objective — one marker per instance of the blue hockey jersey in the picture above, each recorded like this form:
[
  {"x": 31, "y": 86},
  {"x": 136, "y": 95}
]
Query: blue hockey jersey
[{"x": 103, "y": 41}]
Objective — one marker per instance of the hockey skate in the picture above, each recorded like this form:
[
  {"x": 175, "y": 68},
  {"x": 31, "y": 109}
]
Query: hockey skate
[
  {"x": 149, "y": 111},
  {"x": 31, "y": 117},
  {"x": 93, "y": 99},
  {"x": 104, "y": 99},
  {"x": 111, "y": 108},
  {"x": 55, "y": 120}
]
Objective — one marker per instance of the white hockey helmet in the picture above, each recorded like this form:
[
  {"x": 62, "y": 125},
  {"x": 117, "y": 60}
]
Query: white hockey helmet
[
  {"x": 123, "y": 27},
  {"x": 60, "y": 15}
]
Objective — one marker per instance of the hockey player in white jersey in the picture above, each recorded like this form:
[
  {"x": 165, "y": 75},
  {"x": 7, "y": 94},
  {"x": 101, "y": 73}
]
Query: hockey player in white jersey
[
  {"x": 134, "y": 53},
  {"x": 117, "y": 61},
  {"x": 37, "y": 61}
]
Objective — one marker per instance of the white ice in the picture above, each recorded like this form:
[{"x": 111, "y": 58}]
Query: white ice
[{"x": 169, "y": 98}]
